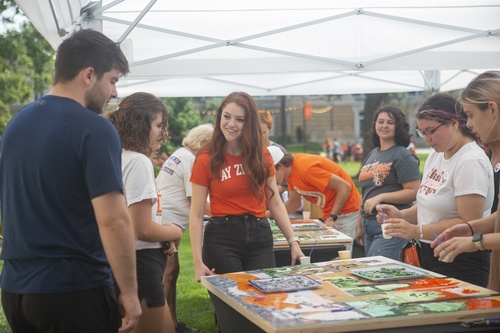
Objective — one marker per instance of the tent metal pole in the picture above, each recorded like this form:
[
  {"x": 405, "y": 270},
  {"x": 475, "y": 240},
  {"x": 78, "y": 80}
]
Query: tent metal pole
[
  {"x": 283, "y": 120},
  {"x": 61, "y": 32}
]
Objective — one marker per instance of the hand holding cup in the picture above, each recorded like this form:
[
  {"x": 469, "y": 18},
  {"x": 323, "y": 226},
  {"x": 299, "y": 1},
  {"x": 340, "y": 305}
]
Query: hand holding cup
[
  {"x": 305, "y": 260},
  {"x": 384, "y": 225}
]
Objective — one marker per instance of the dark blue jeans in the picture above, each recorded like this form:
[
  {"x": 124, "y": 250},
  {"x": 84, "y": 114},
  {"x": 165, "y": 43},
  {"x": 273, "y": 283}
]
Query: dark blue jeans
[
  {"x": 377, "y": 245},
  {"x": 238, "y": 243}
]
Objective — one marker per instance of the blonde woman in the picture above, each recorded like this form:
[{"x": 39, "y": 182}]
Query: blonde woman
[
  {"x": 175, "y": 188},
  {"x": 481, "y": 103}
]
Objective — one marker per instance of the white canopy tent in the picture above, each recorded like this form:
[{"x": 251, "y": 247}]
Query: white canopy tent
[{"x": 289, "y": 47}]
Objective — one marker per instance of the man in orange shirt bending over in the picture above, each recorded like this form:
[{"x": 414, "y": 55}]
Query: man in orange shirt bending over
[{"x": 322, "y": 182}]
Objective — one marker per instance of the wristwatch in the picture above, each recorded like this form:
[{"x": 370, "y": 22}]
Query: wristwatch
[
  {"x": 334, "y": 217},
  {"x": 477, "y": 240}
]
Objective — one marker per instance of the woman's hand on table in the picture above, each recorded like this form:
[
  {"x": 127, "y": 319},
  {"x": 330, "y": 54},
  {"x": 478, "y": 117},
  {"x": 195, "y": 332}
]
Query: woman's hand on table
[
  {"x": 202, "y": 270},
  {"x": 296, "y": 253},
  {"x": 329, "y": 222}
]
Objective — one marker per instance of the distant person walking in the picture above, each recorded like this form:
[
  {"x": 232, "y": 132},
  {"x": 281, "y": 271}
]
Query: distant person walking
[
  {"x": 338, "y": 154},
  {"x": 327, "y": 148}
]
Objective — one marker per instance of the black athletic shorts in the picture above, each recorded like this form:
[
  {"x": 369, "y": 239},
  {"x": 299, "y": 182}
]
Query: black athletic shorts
[{"x": 94, "y": 310}]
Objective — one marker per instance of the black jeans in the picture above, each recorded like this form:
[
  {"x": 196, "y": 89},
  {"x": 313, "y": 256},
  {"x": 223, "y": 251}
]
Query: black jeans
[{"x": 238, "y": 243}]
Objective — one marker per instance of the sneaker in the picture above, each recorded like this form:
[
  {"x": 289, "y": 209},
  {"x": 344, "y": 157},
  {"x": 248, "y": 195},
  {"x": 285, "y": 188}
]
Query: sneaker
[{"x": 183, "y": 328}]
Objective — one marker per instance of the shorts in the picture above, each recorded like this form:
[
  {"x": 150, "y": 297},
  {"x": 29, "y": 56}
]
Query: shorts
[
  {"x": 150, "y": 268},
  {"x": 94, "y": 310}
]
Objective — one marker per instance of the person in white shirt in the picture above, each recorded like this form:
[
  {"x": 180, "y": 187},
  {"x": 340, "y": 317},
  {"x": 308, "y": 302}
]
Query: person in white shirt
[
  {"x": 175, "y": 188},
  {"x": 141, "y": 121},
  {"x": 457, "y": 186}
]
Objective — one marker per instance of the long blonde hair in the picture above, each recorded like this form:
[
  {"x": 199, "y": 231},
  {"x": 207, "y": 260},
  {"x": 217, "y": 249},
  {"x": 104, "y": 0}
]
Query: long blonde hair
[{"x": 483, "y": 89}]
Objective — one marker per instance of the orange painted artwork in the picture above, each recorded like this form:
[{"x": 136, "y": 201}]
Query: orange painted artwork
[{"x": 361, "y": 300}]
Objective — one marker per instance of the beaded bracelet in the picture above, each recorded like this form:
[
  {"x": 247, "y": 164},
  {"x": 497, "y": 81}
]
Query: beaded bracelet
[
  {"x": 421, "y": 231},
  {"x": 293, "y": 239},
  {"x": 470, "y": 227}
]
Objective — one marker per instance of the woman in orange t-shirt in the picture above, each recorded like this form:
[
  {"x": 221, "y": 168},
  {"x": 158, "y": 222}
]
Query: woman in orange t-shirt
[{"x": 237, "y": 172}]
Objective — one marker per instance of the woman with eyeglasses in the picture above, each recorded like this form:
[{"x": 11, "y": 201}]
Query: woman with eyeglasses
[
  {"x": 457, "y": 186},
  {"x": 390, "y": 174},
  {"x": 481, "y": 102}
]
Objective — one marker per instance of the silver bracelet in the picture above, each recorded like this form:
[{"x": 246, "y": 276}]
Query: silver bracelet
[{"x": 293, "y": 239}]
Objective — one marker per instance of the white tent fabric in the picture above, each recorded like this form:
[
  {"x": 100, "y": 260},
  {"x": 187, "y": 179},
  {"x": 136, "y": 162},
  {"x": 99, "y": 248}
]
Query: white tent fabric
[{"x": 286, "y": 47}]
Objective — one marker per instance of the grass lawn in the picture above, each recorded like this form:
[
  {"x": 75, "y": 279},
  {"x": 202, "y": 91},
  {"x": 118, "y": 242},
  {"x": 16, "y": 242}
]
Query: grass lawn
[
  {"x": 193, "y": 303},
  {"x": 4, "y": 327}
]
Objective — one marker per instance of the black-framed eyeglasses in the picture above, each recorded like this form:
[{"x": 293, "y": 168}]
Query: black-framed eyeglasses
[{"x": 428, "y": 133}]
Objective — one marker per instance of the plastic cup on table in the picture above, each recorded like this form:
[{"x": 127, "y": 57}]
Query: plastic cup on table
[
  {"x": 306, "y": 215},
  {"x": 344, "y": 254}
]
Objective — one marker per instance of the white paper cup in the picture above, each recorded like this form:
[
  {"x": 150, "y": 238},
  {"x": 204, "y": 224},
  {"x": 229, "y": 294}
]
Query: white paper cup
[
  {"x": 344, "y": 254},
  {"x": 383, "y": 231},
  {"x": 306, "y": 215},
  {"x": 447, "y": 258},
  {"x": 305, "y": 260}
]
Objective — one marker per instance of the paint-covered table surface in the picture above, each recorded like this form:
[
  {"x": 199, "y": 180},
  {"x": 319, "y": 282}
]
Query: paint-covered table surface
[
  {"x": 352, "y": 295},
  {"x": 310, "y": 232}
]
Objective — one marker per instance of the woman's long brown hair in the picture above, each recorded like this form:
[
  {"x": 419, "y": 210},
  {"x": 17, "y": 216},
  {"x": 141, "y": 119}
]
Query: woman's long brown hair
[{"x": 254, "y": 164}]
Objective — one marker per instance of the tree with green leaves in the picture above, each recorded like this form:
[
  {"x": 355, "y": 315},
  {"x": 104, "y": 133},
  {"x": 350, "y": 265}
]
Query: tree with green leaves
[
  {"x": 26, "y": 62},
  {"x": 8, "y": 6},
  {"x": 182, "y": 118}
]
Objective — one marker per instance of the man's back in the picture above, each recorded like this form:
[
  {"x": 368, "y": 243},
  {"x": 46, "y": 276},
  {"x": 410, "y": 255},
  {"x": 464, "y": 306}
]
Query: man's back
[{"x": 55, "y": 157}]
